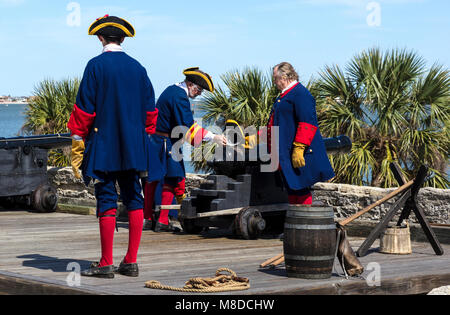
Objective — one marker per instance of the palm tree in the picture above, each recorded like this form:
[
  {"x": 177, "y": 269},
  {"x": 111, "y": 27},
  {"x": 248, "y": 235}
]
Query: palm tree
[
  {"x": 49, "y": 111},
  {"x": 248, "y": 98},
  {"x": 394, "y": 109}
]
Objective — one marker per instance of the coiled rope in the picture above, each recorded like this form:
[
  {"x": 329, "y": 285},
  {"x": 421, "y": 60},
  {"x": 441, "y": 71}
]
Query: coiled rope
[{"x": 220, "y": 283}]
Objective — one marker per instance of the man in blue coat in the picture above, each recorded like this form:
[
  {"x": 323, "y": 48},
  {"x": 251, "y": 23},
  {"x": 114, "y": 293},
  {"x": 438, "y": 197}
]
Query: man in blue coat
[
  {"x": 302, "y": 154},
  {"x": 114, "y": 111},
  {"x": 175, "y": 124}
]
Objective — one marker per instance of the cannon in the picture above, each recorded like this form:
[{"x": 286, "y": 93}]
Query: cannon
[
  {"x": 238, "y": 196},
  {"x": 23, "y": 171}
]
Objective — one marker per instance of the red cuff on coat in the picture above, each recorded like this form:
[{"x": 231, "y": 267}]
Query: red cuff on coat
[
  {"x": 150, "y": 124},
  {"x": 195, "y": 135},
  {"x": 305, "y": 133},
  {"x": 80, "y": 122}
]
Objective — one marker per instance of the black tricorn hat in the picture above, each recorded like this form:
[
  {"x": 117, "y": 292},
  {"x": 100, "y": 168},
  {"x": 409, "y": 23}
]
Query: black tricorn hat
[
  {"x": 195, "y": 75},
  {"x": 112, "y": 26}
]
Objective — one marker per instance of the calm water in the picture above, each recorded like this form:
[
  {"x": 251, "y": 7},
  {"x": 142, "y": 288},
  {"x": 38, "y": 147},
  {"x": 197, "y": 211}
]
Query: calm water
[{"x": 12, "y": 118}]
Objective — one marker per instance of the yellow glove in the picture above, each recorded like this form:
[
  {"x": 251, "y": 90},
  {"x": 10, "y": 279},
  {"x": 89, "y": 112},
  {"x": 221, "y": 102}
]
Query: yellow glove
[
  {"x": 180, "y": 198},
  {"x": 298, "y": 160},
  {"x": 77, "y": 157},
  {"x": 251, "y": 141}
]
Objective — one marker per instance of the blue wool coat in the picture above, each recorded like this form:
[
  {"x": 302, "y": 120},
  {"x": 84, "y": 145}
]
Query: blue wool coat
[
  {"x": 299, "y": 106},
  {"x": 117, "y": 89},
  {"x": 174, "y": 111}
]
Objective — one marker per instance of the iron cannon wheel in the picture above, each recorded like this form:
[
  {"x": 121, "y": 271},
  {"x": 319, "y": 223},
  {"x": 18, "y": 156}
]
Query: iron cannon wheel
[
  {"x": 189, "y": 227},
  {"x": 249, "y": 224},
  {"x": 44, "y": 198}
]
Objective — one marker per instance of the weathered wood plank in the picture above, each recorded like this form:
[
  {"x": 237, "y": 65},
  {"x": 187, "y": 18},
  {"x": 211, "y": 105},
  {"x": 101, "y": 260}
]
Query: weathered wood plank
[{"x": 38, "y": 247}]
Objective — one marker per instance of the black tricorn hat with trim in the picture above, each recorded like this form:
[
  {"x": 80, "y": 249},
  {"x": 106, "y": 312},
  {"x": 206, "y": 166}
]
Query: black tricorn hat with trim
[
  {"x": 195, "y": 75},
  {"x": 112, "y": 26}
]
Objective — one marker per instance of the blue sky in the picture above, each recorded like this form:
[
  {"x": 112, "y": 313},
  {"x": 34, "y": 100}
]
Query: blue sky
[{"x": 218, "y": 36}]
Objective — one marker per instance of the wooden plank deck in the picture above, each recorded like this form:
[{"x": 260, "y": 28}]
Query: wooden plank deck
[{"x": 35, "y": 250}]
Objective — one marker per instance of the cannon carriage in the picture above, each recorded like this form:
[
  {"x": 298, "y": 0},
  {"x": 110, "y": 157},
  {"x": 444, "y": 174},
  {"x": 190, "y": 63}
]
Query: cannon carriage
[
  {"x": 23, "y": 171},
  {"x": 240, "y": 197}
]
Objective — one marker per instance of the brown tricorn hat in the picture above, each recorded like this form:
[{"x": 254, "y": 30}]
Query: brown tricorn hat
[
  {"x": 112, "y": 26},
  {"x": 195, "y": 75}
]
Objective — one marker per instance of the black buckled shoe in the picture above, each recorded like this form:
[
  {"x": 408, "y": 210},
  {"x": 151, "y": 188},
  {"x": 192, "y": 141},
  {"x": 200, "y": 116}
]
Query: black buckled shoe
[
  {"x": 149, "y": 225},
  {"x": 99, "y": 272},
  {"x": 159, "y": 227},
  {"x": 129, "y": 270}
]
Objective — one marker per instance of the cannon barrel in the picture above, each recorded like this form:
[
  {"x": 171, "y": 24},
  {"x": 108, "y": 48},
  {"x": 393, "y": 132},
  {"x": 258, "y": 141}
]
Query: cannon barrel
[
  {"x": 237, "y": 161},
  {"x": 337, "y": 145},
  {"x": 43, "y": 141}
]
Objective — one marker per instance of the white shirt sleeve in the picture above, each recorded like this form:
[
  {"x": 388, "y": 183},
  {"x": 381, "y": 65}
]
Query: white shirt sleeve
[{"x": 209, "y": 137}]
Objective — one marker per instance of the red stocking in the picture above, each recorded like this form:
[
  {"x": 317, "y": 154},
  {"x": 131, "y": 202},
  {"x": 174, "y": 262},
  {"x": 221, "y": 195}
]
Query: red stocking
[
  {"x": 167, "y": 199},
  {"x": 300, "y": 200},
  {"x": 149, "y": 197},
  {"x": 135, "y": 219},
  {"x": 107, "y": 224},
  {"x": 181, "y": 188}
]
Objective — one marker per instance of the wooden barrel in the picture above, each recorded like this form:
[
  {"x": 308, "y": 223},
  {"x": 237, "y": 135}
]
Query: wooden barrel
[{"x": 309, "y": 242}]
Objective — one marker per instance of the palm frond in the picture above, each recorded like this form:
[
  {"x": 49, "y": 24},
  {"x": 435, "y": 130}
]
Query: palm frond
[
  {"x": 49, "y": 112},
  {"x": 403, "y": 106}
]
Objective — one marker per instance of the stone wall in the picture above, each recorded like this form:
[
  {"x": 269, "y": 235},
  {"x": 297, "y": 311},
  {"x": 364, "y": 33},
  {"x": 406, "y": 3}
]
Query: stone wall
[
  {"x": 73, "y": 191},
  {"x": 346, "y": 199}
]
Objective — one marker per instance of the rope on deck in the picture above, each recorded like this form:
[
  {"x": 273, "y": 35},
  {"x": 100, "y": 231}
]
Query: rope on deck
[{"x": 220, "y": 283}]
